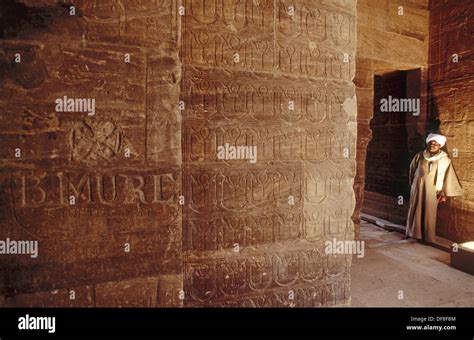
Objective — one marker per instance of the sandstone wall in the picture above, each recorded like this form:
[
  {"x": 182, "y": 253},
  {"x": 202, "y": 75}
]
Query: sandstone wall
[
  {"x": 85, "y": 186},
  {"x": 88, "y": 187},
  {"x": 452, "y": 106},
  {"x": 386, "y": 42}
]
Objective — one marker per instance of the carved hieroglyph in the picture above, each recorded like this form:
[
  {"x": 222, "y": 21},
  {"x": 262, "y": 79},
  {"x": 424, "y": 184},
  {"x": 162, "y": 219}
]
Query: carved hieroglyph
[
  {"x": 244, "y": 62},
  {"x": 95, "y": 140},
  {"x": 451, "y": 76}
]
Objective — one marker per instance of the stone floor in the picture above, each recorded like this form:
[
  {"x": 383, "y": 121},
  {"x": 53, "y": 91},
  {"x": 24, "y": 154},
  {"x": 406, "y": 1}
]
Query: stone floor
[{"x": 392, "y": 264}]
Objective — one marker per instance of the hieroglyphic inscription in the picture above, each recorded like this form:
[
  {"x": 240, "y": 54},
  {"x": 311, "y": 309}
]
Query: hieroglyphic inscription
[
  {"x": 256, "y": 75},
  {"x": 95, "y": 141},
  {"x": 302, "y": 43},
  {"x": 219, "y": 280}
]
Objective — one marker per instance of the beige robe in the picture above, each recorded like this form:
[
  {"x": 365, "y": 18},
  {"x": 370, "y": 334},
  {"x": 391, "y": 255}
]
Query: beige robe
[{"x": 429, "y": 175}]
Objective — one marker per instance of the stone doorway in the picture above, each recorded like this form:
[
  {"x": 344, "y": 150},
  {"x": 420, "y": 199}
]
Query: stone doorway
[
  {"x": 395, "y": 135},
  {"x": 386, "y": 191}
]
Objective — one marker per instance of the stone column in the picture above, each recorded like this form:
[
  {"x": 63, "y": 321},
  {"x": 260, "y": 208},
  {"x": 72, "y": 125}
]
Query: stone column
[
  {"x": 98, "y": 190},
  {"x": 276, "y": 75}
]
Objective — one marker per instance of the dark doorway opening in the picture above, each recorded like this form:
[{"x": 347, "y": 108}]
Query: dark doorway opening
[{"x": 392, "y": 147}]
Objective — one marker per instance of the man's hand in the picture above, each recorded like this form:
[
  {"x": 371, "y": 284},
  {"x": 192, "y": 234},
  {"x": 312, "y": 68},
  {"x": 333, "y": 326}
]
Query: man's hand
[{"x": 441, "y": 198}]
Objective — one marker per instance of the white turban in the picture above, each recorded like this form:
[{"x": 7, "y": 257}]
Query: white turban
[{"x": 440, "y": 139}]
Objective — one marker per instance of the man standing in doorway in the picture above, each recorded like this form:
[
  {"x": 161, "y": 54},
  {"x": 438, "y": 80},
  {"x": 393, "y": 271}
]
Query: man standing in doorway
[{"x": 432, "y": 179}]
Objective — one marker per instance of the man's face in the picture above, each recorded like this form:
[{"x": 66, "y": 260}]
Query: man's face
[{"x": 433, "y": 146}]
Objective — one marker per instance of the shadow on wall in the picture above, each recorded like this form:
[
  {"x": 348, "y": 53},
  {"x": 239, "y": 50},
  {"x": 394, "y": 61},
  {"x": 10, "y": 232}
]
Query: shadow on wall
[
  {"x": 19, "y": 20},
  {"x": 21, "y": 62}
]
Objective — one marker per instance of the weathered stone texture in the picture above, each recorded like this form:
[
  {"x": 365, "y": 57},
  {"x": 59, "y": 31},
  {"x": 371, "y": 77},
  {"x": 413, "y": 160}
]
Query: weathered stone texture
[
  {"x": 156, "y": 291},
  {"x": 452, "y": 106},
  {"x": 72, "y": 297},
  {"x": 88, "y": 187},
  {"x": 231, "y": 204},
  {"x": 383, "y": 34}
]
